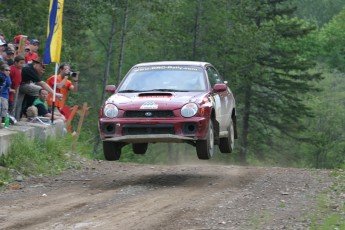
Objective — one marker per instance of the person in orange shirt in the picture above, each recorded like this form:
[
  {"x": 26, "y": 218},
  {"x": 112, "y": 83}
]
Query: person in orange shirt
[{"x": 63, "y": 84}]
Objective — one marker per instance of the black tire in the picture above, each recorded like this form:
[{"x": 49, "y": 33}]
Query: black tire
[
  {"x": 140, "y": 148},
  {"x": 226, "y": 144},
  {"x": 112, "y": 150},
  {"x": 205, "y": 148}
]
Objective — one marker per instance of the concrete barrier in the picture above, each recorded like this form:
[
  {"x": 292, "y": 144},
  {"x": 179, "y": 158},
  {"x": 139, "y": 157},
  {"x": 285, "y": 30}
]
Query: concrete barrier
[{"x": 31, "y": 130}]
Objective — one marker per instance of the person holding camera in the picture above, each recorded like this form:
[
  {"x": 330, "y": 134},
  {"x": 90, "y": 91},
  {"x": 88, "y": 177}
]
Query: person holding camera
[{"x": 63, "y": 84}]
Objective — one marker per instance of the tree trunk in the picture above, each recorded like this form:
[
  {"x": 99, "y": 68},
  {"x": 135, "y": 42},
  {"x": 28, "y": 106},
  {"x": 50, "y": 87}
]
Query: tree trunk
[
  {"x": 245, "y": 124},
  {"x": 109, "y": 54},
  {"x": 196, "y": 29},
  {"x": 123, "y": 41}
]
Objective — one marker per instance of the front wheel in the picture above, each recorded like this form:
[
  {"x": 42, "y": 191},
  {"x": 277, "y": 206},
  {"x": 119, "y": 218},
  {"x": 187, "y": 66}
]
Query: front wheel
[
  {"x": 226, "y": 144},
  {"x": 112, "y": 150},
  {"x": 205, "y": 148}
]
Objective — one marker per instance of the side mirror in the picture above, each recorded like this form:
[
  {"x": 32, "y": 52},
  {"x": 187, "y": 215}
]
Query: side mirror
[
  {"x": 110, "y": 89},
  {"x": 220, "y": 88}
]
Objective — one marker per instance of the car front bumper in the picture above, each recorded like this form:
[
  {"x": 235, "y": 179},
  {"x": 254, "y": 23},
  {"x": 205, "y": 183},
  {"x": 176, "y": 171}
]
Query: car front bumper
[{"x": 153, "y": 130}]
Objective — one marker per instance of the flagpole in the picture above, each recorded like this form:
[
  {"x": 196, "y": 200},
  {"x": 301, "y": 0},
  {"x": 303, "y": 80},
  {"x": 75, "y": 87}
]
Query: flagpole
[
  {"x": 54, "y": 41},
  {"x": 54, "y": 94}
]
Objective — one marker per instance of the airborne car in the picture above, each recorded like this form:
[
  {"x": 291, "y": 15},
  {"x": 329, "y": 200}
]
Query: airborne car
[{"x": 170, "y": 101}]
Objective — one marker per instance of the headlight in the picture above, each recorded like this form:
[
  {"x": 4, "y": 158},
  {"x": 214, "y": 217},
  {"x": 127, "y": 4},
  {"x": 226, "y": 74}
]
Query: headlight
[
  {"x": 110, "y": 110},
  {"x": 189, "y": 110}
]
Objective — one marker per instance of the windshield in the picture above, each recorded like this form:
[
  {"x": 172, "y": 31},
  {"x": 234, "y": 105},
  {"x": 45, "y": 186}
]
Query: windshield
[{"x": 164, "y": 78}]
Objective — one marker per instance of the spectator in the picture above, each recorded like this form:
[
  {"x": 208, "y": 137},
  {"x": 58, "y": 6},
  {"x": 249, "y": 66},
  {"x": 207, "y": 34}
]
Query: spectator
[
  {"x": 16, "y": 39},
  {"x": 2, "y": 80},
  {"x": 16, "y": 78},
  {"x": 3, "y": 46},
  {"x": 43, "y": 109},
  {"x": 31, "y": 84},
  {"x": 63, "y": 85},
  {"x": 5, "y": 89},
  {"x": 26, "y": 50},
  {"x": 32, "y": 55},
  {"x": 31, "y": 112},
  {"x": 16, "y": 43},
  {"x": 9, "y": 56},
  {"x": 12, "y": 47}
]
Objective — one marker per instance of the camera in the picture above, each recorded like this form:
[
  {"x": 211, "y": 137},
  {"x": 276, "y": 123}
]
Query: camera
[{"x": 72, "y": 73}]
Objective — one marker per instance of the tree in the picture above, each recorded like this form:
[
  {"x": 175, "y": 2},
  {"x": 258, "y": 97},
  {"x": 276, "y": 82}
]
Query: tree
[
  {"x": 331, "y": 41},
  {"x": 326, "y": 145},
  {"x": 275, "y": 80},
  {"x": 319, "y": 11},
  {"x": 17, "y": 18}
]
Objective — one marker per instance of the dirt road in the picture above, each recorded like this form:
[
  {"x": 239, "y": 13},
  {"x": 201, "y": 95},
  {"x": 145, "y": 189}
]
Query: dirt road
[{"x": 112, "y": 195}]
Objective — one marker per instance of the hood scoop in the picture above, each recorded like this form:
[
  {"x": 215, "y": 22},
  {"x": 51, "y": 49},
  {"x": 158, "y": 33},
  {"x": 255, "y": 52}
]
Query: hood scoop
[{"x": 155, "y": 95}]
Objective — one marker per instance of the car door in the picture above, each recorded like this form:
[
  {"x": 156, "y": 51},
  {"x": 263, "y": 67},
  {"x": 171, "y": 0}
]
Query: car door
[{"x": 222, "y": 100}]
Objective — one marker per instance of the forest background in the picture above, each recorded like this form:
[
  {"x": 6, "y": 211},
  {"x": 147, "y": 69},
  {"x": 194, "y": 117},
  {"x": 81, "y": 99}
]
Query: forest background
[{"x": 283, "y": 59}]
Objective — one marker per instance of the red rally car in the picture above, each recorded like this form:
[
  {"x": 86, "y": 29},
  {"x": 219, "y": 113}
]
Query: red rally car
[{"x": 169, "y": 101}]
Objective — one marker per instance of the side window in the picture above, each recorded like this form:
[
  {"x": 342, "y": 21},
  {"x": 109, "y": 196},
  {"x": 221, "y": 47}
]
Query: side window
[{"x": 213, "y": 76}]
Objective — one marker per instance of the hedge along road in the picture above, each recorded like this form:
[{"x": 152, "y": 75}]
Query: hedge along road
[{"x": 113, "y": 195}]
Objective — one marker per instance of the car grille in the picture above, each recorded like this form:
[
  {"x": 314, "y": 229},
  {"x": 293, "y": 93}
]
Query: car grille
[
  {"x": 133, "y": 129},
  {"x": 149, "y": 114}
]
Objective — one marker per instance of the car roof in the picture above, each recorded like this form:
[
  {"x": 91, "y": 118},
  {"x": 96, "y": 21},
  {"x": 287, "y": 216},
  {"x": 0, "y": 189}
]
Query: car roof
[{"x": 184, "y": 63}]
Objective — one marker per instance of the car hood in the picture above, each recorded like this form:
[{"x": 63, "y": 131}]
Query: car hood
[{"x": 154, "y": 100}]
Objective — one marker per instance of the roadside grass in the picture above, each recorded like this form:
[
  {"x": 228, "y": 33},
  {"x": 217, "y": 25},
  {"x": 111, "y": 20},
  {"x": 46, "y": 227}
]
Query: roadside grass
[
  {"x": 33, "y": 157},
  {"x": 330, "y": 212},
  {"x": 259, "y": 219}
]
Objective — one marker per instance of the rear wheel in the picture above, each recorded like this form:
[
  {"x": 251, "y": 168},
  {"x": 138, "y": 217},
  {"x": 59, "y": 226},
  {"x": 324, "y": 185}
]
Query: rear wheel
[
  {"x": 112, "y": 150},
  {"x": 226, "y": 144},
  {"x": 140, "y": 148},
  {"x": 205, "y": 148}
]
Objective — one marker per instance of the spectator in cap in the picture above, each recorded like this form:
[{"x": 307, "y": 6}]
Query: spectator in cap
[
  {"x": 31, "y": 84},
  {"x": 17, "y": 38},
  {"x": 16, "y": 43},
  {"x": 3, "y": 46},
  {"x": 9, "y": 56},
  {"x": 11, "y": 46},
  {"x": 32, "y": 55}
]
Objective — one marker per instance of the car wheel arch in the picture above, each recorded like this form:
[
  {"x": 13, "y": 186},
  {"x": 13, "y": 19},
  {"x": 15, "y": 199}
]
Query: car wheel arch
[
  {"x": 234, "y": 121},
  {"x": 215, "y": 126}
]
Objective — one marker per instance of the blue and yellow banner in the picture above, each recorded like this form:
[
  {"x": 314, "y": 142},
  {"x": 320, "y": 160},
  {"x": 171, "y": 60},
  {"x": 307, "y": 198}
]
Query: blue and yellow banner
[{"x": 52, "y": 51}]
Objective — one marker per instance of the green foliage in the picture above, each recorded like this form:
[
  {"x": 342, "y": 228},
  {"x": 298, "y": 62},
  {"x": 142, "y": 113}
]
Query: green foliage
[
  {"x": 331, "y": 40},
  {"x": 319, "y": 11},
  {"x": 34, "y": 157},
  {"x": 24, "y": 17},
  {"x": 321, "y": 144},
  {"x": 276, "y": 76},
  {"x": 326, "y": 129},
  {"x": 5, "y": 177}
]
